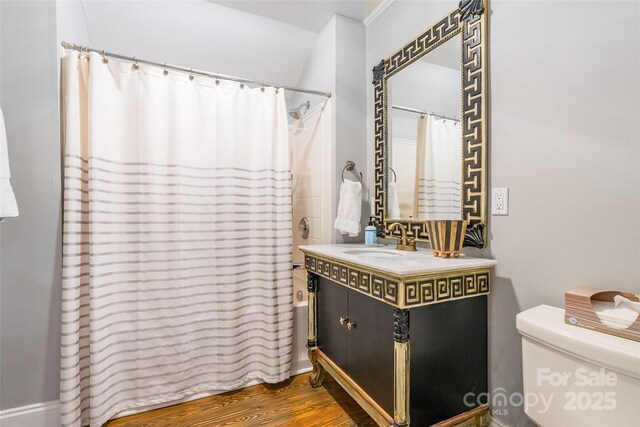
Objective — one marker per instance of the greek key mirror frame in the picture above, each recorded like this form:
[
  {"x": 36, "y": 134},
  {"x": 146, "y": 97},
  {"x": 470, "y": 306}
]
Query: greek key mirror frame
[{"x": 469, "y": 20}]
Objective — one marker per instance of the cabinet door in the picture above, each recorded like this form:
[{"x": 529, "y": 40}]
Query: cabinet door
[
  {"x": 448, "y": 358},
  {"x": 332, "y": 336},
  {"x": 371, "y": 348}
]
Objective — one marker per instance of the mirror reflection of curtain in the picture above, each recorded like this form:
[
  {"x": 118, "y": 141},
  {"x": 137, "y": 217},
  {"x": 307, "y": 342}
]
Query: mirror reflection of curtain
[{"x": 438, "y": 169}]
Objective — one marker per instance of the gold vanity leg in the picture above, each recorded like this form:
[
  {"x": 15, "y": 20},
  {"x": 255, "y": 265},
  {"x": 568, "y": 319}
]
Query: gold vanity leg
[
  {"x": 401, "y": 365},
  {"x": 317, "y": 376}
]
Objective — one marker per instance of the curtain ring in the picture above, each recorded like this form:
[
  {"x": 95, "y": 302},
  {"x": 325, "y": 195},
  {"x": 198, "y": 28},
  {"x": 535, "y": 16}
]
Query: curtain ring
[
  {"x": 262, "y": 87},
  {"x": 104, "y": 58},
  {"x": 241, "y": 85},
  {"x": 164, "y": 71},
  {"x": 217, "y": 79},
  {"x": 191, "y": 77},
  {"x": 134, "y": 66}
]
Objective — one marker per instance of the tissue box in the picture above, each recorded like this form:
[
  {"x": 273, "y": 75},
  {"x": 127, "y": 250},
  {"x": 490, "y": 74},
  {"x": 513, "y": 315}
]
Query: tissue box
[{"x": 591, "y": 308}]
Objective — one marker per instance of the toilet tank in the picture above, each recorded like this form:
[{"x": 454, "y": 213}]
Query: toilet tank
[{"x": 577, "y": 377}]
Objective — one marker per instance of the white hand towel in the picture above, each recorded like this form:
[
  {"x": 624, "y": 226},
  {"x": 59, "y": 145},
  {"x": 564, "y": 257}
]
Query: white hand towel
[
  {"x": 349, "y": 208},
  {"x": 392, "y": 201},
  {"x": 8, "y": 205}
]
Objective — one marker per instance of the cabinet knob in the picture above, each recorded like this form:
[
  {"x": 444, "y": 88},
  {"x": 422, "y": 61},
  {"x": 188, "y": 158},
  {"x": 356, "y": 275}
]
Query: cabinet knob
[
  {"x": 351, "y": 325},
  {"x": 343, "y": 320}
]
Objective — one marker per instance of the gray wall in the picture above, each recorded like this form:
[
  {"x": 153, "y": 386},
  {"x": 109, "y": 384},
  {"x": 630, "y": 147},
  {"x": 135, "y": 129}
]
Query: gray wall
[
  {"x": 564, "y": 136},
  {"x": 351, "y": 112},
  {"x": 30, "y": 265},
  {"x": 337, "y": 63}
]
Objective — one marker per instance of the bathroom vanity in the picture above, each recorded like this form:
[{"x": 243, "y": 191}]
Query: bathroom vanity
[{"x": 404, "y": 333}]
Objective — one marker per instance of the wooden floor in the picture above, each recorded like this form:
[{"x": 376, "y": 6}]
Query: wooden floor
[{"x": 290, "y": 403}]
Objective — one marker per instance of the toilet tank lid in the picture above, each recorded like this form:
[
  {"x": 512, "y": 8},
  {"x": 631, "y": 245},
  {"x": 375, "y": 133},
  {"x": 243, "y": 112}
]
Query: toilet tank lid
[{"x": 546, "y": 325}]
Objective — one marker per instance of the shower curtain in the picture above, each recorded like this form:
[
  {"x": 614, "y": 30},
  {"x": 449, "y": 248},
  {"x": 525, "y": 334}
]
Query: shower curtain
[
  {"x": 177, "y": 237},
  {"x": 438, "y": 192}
]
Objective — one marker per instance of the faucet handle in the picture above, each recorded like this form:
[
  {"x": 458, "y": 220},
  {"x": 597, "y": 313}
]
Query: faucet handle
[
  {"x": 404, "y": 243},
  {"x": 412, "y": 243}
]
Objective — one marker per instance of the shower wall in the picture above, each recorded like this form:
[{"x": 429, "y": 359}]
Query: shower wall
[
  {"x": 311, "y": 140},
  {"x": 311, "y": 149},
  {"x": 311, "y": 155}
]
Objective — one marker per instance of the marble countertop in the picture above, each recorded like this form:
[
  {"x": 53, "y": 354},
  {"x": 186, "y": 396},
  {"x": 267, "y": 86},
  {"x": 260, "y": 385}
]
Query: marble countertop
[{"x": 401, "y": 263}]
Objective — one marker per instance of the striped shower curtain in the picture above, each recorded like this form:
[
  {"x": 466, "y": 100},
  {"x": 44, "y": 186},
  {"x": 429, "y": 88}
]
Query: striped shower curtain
[{"x": 177, "y": 237}]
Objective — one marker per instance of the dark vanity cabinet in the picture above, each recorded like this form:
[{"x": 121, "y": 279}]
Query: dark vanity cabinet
[
  {"x": 409, "y": 350},
  {"x": 356, "y": 333}
]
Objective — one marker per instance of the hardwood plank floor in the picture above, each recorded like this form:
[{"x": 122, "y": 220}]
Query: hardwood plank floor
[{"x": 290, "y": 403}]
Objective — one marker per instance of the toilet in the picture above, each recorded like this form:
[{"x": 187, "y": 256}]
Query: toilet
[{"x": 577, "y": 377}]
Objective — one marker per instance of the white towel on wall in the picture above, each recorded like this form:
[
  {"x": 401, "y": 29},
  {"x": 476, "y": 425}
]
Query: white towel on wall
[
  {"x": 392, "y": 201},
  {"x": 349, "y": 208},
  {"x": 8, "y": 205}
]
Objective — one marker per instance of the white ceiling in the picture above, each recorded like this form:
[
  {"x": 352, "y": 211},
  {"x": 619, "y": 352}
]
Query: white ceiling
[{"x": 308, "y": 14}]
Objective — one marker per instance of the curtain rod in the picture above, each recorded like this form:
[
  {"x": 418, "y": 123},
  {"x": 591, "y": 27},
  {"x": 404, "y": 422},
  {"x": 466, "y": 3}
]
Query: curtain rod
[
  {"x": 422, "y": 112},
  {"x": 191, "y": 70}
]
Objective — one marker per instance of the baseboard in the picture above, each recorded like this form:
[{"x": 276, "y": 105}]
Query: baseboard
[
  {"x": 45, "y": 414},
  {"x": 300, "y": 366}
]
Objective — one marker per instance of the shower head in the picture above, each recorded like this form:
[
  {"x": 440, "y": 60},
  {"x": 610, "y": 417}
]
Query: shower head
[{"x": 295, "y": 112}]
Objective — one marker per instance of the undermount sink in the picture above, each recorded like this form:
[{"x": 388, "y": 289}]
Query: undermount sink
[{"x": 379, "y": 253}]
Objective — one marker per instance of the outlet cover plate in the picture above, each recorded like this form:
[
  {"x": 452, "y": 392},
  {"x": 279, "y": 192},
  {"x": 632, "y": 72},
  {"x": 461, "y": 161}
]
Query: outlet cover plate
[{"x": 500, "y": 201}]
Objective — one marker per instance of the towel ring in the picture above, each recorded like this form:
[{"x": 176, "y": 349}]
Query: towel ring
[
  {"x": 395, "y": 177},
  {"x": 350, "y": 166}
]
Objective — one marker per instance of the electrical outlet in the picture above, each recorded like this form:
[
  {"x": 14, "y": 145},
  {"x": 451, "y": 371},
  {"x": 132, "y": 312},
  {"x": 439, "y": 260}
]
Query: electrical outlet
[{"x": 500, "y": 201}]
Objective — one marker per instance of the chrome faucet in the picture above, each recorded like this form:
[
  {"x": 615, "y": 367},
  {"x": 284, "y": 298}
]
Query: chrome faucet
[{"x": 404, "y": 243}]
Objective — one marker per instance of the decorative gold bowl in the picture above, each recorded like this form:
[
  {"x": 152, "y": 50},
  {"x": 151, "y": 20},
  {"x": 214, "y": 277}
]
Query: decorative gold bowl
[{"x": 446, "y": 237}]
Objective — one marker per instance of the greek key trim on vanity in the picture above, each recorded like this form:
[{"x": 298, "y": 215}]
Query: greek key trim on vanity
[
  {"x": 467, "y": 20},
  {"x": 403, "y": 293},
  {"x": 446, "y": 288},
  {"x": 368, "y": 283}
]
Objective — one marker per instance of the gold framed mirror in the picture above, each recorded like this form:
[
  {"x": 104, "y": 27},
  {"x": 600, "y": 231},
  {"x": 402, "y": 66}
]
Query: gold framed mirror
[{"x": 430, "y": 128}]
